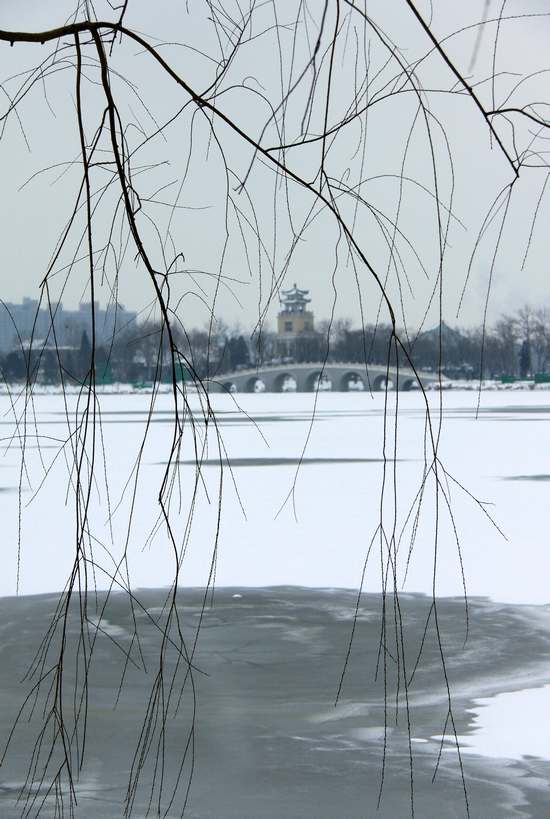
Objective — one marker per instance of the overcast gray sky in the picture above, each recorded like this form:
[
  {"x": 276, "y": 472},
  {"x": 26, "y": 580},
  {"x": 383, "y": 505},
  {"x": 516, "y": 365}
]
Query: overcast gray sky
[{"x": 190, "y": 171}]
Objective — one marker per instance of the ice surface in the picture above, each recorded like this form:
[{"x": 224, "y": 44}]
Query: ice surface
[
  {"x": 509, "y": 725},
  {"x": 269, "y": 741},
  {"x": 286, "y": 524}
]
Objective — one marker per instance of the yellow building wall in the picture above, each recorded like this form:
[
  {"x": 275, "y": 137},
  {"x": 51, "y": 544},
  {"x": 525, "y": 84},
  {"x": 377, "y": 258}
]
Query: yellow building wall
[{"x": 292, "y": 324}]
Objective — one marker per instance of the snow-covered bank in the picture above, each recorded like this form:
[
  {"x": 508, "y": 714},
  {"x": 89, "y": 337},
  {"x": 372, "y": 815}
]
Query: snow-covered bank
[
  {"x": 166, "y": 388},
  {"x": 100, "y": 389}
]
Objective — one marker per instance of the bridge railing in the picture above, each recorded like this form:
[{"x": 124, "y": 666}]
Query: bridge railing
[{"x": 320, "y": 365}]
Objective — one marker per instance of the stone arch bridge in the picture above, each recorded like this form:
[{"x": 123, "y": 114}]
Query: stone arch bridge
[{"x": 342, "y": 376}]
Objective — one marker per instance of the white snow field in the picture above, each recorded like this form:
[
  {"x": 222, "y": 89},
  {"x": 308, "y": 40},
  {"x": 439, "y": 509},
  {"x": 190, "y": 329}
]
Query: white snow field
[
  {"x": 315, "y": 535},
  {"x": 507, "y": 726}
]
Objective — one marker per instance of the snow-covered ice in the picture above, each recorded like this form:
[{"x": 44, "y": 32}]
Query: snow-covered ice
[
  {"x": 286, "y": 523},
  {"x": 509, "y": 725}
]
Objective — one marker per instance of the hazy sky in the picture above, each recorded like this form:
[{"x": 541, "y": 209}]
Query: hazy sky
[{"x": 189, "y": 170}]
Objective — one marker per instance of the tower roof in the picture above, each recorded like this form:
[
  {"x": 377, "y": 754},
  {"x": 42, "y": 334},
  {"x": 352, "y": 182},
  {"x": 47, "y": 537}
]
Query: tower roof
[{"x": 294, "y": 296}]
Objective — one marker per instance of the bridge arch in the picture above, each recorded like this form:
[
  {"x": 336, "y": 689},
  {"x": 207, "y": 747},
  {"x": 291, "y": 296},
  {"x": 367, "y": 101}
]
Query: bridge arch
[
  {"x": 284, "y": 377},
  {"x": 253, "y": 383},
  {"x": 380, "y": 382},
  {"x": 351, "y": 377},
  {"x": 315, "y": 379},
  {"x": 409, "y": 384}
]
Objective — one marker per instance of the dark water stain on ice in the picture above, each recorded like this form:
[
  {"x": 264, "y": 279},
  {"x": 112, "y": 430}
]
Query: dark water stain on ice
[
  {"x": 269, "y": 742},
  {"x": 504, "y": 409},
  {"x": 243, "y": 462},
  {"x": 526, "y": 478}
]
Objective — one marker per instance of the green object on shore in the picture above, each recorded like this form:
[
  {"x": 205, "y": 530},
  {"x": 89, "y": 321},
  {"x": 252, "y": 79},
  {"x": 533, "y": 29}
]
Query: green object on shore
[{"x": 182, "y": 374}]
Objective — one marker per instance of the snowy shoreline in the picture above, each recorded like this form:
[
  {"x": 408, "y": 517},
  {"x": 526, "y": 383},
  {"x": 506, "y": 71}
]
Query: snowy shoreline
[{"x": 165, "y": 389}]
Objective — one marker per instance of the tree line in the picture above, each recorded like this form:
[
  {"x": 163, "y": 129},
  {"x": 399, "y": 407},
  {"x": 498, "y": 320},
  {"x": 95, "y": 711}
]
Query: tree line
[{"x": 517, "y": 345}]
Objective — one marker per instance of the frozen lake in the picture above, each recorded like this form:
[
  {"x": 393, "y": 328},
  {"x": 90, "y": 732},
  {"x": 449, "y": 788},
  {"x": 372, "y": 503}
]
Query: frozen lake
[
  {"x": 300, "y": 506},
  {"x": 268, "y": 741},
  {"x": 289, "y": 522}
]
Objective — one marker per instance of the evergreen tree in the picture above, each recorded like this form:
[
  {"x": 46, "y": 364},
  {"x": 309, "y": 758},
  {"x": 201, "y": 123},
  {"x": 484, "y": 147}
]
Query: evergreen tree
[
  {"x": 84, "y": 358},
  {"x": 525, "y": 359}
]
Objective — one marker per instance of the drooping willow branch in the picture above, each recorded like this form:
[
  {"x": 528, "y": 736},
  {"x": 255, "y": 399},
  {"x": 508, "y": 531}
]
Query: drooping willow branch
[{"x": 309, "y": 94}]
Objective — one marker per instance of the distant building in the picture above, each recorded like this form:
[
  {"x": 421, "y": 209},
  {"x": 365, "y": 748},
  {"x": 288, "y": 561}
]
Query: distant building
[
  {"x": 450, "y": 338},
  {"x": 20, "y": 322},
  {"x": 295, "y": 321}
]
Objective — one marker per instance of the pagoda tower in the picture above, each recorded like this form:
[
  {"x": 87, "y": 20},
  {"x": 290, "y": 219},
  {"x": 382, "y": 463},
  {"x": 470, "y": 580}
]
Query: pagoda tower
[
  {"x": 294, "y": 321},
  {"x": 294, "y": 318}
]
